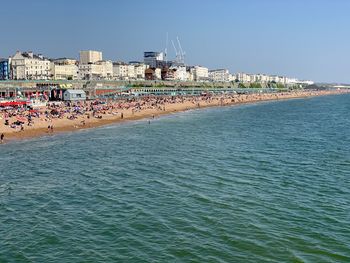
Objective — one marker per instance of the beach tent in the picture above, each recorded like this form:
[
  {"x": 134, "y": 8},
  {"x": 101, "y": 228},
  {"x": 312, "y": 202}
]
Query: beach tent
[{"x": 74, "y": 95}]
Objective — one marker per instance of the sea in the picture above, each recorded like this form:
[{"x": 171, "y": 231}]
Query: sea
[{"x": 261, "y": 182}]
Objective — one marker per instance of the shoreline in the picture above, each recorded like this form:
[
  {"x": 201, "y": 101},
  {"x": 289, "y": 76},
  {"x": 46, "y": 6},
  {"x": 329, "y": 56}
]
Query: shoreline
[{"x": 63, "y": 125}]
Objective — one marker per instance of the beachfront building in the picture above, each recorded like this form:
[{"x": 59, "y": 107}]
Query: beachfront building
[
  {"x": 153, "y": 74},
  {"x": 27, "y": 65},
  {"x": 232, "y": 77},
  {"x": 200, "y": 73},
  {"x": 168, "y": 73},
  {"x": 131, "y": 71},
  {"x": 306, "y": 82},
  {"x": 92, "y": 67},
  {"x": 264, "y": 78},
  {"x": 292, "y": 80},
  {"x": 189, "y": 74},
  {"x": 4, "y": 69},
  {"x": 261, "y": 78},
  {"x": 140, "y": 69},
  {"x": 99, "y": 70},
  {"x": 219, "y": 75},
  {"x": 89, "y": 56},
  {"x": 154, "y": 59},
  {"x": 158, "y": 73},
  {"x": 123, "y": 71},
  {"x": 64, "y": 69},
  {"x": 180, "y": 73},
  {"x": 150, "y": 74},
  {"x": 243, "y": 77},
  {"x": 74, "y": 95},
  {"x": 106, "y": 69},
  {"x": 120, "y": 70}
]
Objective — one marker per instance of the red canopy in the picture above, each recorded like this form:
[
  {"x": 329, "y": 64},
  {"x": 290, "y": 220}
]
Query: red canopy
[{"x": 12, "y": 103}]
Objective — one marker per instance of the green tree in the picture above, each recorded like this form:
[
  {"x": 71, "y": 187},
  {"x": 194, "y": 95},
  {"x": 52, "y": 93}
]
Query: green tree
[{"x": 241, "y": 86}]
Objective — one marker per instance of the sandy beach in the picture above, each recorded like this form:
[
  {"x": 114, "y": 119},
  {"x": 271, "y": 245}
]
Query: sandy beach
[{"x": 82, "y": 115}]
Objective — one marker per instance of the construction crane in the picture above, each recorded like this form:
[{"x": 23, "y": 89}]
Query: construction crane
[
  {"x": 179, "y": 53},
  {"x": 182, "y": 53},
  {"x": 176, "y": 52},
  {"x": 166, "y": 48}
]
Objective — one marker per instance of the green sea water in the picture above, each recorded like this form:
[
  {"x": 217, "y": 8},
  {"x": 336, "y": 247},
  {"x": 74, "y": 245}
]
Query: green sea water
[{"x": 265, "y": 182}]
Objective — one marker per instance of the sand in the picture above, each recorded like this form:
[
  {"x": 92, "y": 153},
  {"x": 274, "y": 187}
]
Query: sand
[{"x": 40, "y": 127}]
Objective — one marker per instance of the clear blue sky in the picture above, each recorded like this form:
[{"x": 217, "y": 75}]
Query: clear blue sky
[{"x": 308, "y": 39}]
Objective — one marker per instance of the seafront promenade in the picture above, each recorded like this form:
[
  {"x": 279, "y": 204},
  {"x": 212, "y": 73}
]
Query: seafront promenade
[
  {"x": 17, "y": 123},
  {"x": 97, "y": 87}
]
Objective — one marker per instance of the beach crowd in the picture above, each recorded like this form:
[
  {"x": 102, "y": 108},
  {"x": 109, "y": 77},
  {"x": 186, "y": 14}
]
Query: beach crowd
[{"x": 80, "y": 113}]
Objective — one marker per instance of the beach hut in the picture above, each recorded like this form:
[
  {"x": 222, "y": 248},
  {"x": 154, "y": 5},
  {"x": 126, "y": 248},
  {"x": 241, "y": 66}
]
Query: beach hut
[{"x": 74, "y": 95}]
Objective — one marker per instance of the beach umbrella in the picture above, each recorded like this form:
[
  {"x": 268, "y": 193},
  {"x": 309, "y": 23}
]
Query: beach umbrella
[{"x": 23, "y": 119}]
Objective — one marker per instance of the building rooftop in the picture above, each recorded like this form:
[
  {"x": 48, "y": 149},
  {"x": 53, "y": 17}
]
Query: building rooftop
[
  {"x": 75, "y": 91},
  {"x": 64, "y": 59},
  {"x": 119, "y": 63},
  {"x": 30, "y": 54},
  {"x": 219, "y": 69}
]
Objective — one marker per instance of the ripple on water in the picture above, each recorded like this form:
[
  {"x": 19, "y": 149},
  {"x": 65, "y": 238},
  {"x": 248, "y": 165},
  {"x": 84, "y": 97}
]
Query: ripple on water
[{"x": 267, "y": 182}]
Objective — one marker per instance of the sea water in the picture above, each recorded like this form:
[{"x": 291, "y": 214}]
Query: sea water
[{"x": 263, "y": 182}]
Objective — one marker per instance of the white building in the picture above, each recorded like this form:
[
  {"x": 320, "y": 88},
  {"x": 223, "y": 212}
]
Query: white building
[
  {"x": 26, "y": 65},
  {"x": 89, "y": 56},
  {"x": 131, "y": 71},
  {"x": 232, "y": 77},
  {"x": 106, "y": 68},
  {"x": 200, "y": 73},
  {"x": 264, "y": 78},
  {"x": 64, "y": 68},
  {"x": 180, "y": 73},
  {"x": 189, "y": 74},
  {"x": 92, "y": 66},
  {"x": 140, "y": 69},
  {"x": 244, "y": 77},
  {"x": 158, "y": 73},
  {"x": 99, "y": 70},
  {"x": 120, "y": 70},
  {"x": 124, "y": 71},
  {"x": 219, "y": 75}
]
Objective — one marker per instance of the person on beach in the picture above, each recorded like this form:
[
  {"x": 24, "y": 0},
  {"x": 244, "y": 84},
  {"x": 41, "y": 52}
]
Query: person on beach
[
  {"x": 121, "y": 115},
  {"x": 51, "y": 128},
  {"x": 2, "y": 138}
]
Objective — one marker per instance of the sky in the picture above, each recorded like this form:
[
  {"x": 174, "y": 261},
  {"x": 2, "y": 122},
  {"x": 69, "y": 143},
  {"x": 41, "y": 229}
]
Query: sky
[{"x": 306, "y": 39}]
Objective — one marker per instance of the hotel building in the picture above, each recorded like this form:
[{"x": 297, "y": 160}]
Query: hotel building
[
  {"x": 89, "y": 56},
  {"x": 219, "y": 75},
  {"x": 64, "y": 69},
  {"x": 28, "y": 66},
  {"x": 200, "y": 73}
]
